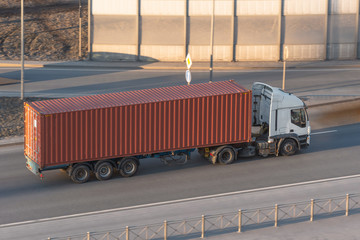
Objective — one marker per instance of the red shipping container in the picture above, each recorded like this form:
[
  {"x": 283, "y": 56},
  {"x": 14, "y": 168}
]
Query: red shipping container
[{"x": 106, "y": 126}]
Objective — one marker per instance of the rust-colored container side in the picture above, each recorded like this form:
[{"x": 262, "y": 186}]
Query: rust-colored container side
[{"x": 137, "y": 123}]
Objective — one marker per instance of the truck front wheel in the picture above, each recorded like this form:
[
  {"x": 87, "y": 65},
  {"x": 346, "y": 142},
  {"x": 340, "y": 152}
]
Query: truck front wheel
[
  {"x": 80, "y": 174},
  {"x": 226, "y": 156},
  {"x": 288, "y": 147},
  {"x": 128, "y": 167},
  {"x": 104, "y": 171}
]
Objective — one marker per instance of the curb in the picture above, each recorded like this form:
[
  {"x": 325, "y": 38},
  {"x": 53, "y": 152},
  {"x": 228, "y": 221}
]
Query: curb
[
  {"x": 11, "y": 144},
  {"x": 145, "y": 67},
  {"x": 12, "y": 141},
  {"x": 19, "y": 65}
]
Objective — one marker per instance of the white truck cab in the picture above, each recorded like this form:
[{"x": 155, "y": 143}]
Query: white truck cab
[{"x": 285, "y": 126}]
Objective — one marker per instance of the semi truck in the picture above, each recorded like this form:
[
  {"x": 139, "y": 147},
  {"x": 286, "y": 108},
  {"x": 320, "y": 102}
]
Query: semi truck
[{"x": 108, "y": 133}]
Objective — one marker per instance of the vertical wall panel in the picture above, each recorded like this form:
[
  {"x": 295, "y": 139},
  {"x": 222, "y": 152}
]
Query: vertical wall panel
[
  {"x": 257, "y": 7},
  {"x": 296, "y": 7},
  {"x": 343, "y": 6},
  {"x": 162, "y": 7},
  {"x": 341, "y": 36},
  {"x": 261, "y": 52},
  {"x": 202, "y": 53},
  {"x": 114, "y": 7},
  {"x": 342, "y": 51},
  {"x": 308, "y": 52},
  {"x": 257, "y": 38},
  {"x": 204, "y": 7}
]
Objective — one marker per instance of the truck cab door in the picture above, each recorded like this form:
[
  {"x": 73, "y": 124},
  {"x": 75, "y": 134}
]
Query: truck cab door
[{"x": 298, "y": 121}]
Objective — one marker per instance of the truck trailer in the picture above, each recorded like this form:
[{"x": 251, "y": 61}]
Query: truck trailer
[{"x": 112, "y": 132}]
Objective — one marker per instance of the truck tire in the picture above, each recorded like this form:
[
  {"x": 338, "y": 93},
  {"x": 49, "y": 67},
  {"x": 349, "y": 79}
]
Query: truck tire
[
  {"x": 104, "y": 171},
  {"x": 288, "y": 147},
  {"x": 128, "y": 167},
  {"x": 80, "y": 174},
  {"x": 226, "y": 156}
]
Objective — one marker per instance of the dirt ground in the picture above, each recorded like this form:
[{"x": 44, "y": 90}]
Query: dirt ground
[
  {"x": 51, "y": 33},
  {"x": 12, "y": 116},
  {"x": 51, "y": 29}
]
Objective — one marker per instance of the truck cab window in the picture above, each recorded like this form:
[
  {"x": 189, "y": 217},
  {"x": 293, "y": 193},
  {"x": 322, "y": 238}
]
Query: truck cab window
[{"x": 298, "y": 117}]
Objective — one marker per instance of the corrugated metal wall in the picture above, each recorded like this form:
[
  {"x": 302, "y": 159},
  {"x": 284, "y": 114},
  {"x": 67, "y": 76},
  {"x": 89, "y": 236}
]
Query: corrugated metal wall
[{"x": 245, "y": 30}]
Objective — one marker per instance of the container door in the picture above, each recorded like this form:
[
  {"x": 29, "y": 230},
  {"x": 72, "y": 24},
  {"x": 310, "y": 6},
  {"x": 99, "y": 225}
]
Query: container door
[{"x": 32, "y": 134}]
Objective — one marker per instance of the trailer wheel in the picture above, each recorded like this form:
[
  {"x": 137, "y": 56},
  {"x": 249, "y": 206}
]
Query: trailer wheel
[
  {"x": 288, "y": 147},
  {"x": 226, "y": 156},
  {"x": 128, "y": 167},
  {"x": 104, "y": 171},
  {"x": 80, "y": 174}
]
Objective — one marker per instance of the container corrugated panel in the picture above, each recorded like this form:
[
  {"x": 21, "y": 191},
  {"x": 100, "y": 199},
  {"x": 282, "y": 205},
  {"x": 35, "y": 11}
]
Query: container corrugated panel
[{"x": 137, "y": 122}]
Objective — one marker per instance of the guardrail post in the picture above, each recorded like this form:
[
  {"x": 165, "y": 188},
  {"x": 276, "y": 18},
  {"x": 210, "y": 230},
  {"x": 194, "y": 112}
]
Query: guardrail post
[
  {"x": 240, "y": 216},
  {"x": 276, "y": 215},
  {"x": 88, "y": 236},
  {"x": 312, "y": 210},
  {"x": 347, "y": 205},
  {"x": 165, "y": 230},
  {"x": 202, "y": 226},
  {"x": 127, "y": 232}
]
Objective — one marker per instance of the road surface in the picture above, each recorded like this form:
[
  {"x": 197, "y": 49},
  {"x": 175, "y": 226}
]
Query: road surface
[
  {"x": 57, "y": 82},
  {"x": 333, "y": 153}
]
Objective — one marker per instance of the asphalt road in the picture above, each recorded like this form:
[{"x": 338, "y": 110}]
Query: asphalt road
[
  {"x": 74, "y": 82},
  {"x": 334, "y": 152},
  {"x": 153, "y": 215}
]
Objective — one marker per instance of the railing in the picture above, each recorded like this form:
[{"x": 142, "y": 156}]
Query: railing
[{"x": 231, "y": 222}]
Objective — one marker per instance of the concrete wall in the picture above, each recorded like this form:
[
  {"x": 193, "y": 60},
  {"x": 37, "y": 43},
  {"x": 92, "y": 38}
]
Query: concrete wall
[{"x": 245, "y": 30}]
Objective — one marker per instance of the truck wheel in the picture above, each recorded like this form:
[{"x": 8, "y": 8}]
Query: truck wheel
[
  {"x": 104, "y": 171},
  {"x": 80, "y": 174},
  {"x": 226, "y": 156},
  {"x": 288, "y": 147},
  {"x": 128, "y": 167}
]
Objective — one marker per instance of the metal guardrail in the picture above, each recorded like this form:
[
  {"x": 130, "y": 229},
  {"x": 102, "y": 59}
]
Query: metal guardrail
[{"x": 230, "y": 222}]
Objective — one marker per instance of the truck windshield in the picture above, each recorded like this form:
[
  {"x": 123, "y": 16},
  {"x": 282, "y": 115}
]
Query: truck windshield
[{"x": 298, "y": 117}]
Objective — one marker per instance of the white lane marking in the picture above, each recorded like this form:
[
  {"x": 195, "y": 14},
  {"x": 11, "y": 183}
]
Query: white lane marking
[
  {"x": 180, "y": 201},
  {"x": 318, "y": 133}
]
